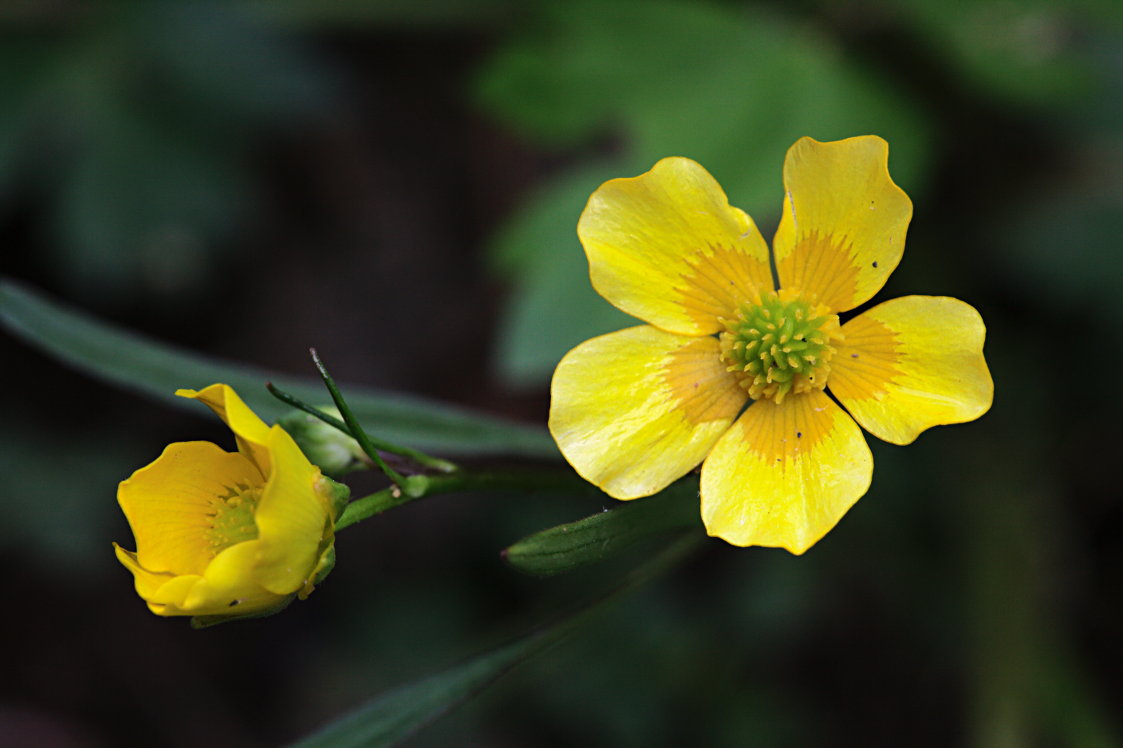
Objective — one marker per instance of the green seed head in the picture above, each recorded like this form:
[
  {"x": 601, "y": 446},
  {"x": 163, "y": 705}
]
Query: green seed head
[{"x": 781, "y": 345}]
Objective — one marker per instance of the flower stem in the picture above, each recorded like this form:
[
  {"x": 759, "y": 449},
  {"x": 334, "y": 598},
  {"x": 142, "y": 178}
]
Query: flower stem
[
  {"x": 420, "y": 458},
  {"x": 432, "y": 485},
  {"x": 355, "y": 428}
]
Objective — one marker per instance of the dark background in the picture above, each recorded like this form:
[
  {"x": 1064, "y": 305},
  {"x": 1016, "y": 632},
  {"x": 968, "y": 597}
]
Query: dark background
[{"x": 398, "y": 184}]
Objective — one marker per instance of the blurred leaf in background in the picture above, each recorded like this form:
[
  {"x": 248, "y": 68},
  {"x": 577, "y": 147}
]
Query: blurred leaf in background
[
  {"x": 54, "y": 523},
  {"x": 1029, "y": 52},
  {"x": 132, "y": 121},
  {"x": 729, "y": 86}
]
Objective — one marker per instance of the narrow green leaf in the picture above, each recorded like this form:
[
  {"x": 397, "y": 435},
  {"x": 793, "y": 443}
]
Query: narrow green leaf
[
  {"x": 156, "y": 369},
  {"x": 400, "y": 713},
  {"x": 601, "y": 536}
]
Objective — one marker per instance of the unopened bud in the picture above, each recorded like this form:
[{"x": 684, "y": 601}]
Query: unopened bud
[{"x": 325, "y": 446}]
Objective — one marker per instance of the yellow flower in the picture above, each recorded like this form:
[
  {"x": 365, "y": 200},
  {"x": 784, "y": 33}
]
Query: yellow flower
[
  {"x": 636, "y": 409},
  {"x": 228, "y": 534}
]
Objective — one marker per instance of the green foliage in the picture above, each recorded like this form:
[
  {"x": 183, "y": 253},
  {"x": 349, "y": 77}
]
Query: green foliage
[
  {"x": 135, "y": 117},
  {"x": 159, "y": 370},
  {"x": 601, "y": 536},
  {"x": 396, "y": 715},
  {"x": 1026, "y": 52},
  {"x": 393, "y": 717},
  {"x": 405, "y": 13},
  {"x": 551, "y": 306}
]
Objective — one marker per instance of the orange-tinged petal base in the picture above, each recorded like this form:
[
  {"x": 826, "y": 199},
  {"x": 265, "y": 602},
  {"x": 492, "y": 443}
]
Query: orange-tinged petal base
[
  {"x": 912, "y": 363},
  {"x": 843, "y": 228},
  {"x": 784, "y": 474},
  {"x": 636, "y": 409},
  {"x": 667, "y": 247}
]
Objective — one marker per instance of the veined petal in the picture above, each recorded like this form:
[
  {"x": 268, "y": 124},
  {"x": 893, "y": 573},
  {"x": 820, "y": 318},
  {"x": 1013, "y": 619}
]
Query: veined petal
[
  {"x": 635, "y": 409},
  {"x": 667, "y": 247},
  {"x": 228, "y": 586},
  {"x": 225, "y": 588},
  {"x": 172, "y": 594},
  {"x": 292, "y": 519},
  {"x": 250, "y": 431},
  {"x": 147, "y": 582},
  {"x": 170, "y": 503},
  {"x": 912, "y": 363},
  {"x": 784, "y": 474},
  {"x": 844, "y": 222}
]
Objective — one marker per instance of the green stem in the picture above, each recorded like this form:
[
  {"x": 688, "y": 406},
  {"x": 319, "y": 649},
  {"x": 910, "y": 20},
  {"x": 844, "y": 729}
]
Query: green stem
[
  {"x": 356, "y": 428},
  {"x": 432, "y": 485},
  {"x": 422, "y": 459}
]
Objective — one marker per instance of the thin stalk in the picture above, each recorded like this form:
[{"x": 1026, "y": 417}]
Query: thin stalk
[
  {"x": 422, "y": 459},
  {"x": 356, "y": 429},
  {"x": 388, "y": 498}
]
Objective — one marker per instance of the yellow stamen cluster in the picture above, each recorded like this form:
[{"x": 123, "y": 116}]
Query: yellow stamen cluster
[
  {"x": 232, "y": 517},
  {"x": 780, "y": 345}
]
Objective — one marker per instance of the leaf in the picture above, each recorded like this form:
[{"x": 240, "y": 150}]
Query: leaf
[
  {"x": 148, "y": 202},
  {"x": 398, "y": 714},
  {"x": 1035, "y": 52},
  {"x": 408, "y": 14},
  {"x": 134, "y": 122},
  {"x": 157, "y": 369},
  {"x": 601, "y": 536}
]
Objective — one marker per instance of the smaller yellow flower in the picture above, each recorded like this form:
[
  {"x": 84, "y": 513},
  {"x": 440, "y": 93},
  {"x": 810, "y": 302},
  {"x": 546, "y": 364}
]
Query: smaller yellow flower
[{"x": 228, "y": 534}]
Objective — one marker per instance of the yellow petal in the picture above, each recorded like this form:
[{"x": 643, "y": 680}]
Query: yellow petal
[
  {"x": 228, "y": 586},
  {"x": 667, "y": 247},
  {"x": 250, "y": 431},
  {"x": 635, "y": 409},
  {"x": 172, "y": 594},
  {"x": 784, "y": 475},
  {"x": 292, "y": 518},
  {"x": 147, "y": 582},
  {"x": 170, "y": 503},
  {"x": 843, "y": 227},
  {"x": 912, "y": 363}
]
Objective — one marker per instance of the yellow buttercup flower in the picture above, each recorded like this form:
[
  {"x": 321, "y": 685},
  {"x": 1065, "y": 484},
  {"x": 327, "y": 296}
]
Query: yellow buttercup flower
[
  {"x": 228, "y": 534},
  {"x": 636, "y": 409}
]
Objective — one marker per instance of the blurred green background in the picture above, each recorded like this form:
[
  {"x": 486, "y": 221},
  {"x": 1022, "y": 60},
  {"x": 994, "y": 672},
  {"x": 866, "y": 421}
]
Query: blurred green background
[{"x": 398, "y": 184}]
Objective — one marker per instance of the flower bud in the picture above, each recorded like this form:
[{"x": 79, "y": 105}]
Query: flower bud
[{"x": 334, "y": 452}]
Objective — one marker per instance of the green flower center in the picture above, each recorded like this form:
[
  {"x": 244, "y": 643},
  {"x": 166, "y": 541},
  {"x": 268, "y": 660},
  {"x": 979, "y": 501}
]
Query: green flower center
[
  {"x": 232, "y": 517},
  {"x": 781, "y": 345}
]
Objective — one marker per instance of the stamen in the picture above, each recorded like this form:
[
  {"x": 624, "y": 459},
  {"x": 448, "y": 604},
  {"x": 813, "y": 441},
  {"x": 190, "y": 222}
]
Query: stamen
[
  {"x": 232, "y": 520},
  {"x": 780, "y": 345}
]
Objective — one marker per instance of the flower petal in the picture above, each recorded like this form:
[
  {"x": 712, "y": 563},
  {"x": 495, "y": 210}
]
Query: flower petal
[
  {"x": 843, "y": 227},
  {"x": 292, "y": 519},
  {"x": 784, "y": 475},
  {"x": 170, "y": 503},
  {"x": 635, "y": 409},
  {"x": 667, "y": 247},
  {"x": 225, "y": 587},
  {"x": 229, "y": 587},
  {"x": 250, "y": 431},
  {"x": 912, "y": 363},
  {"x": 147, "y": 582}
]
